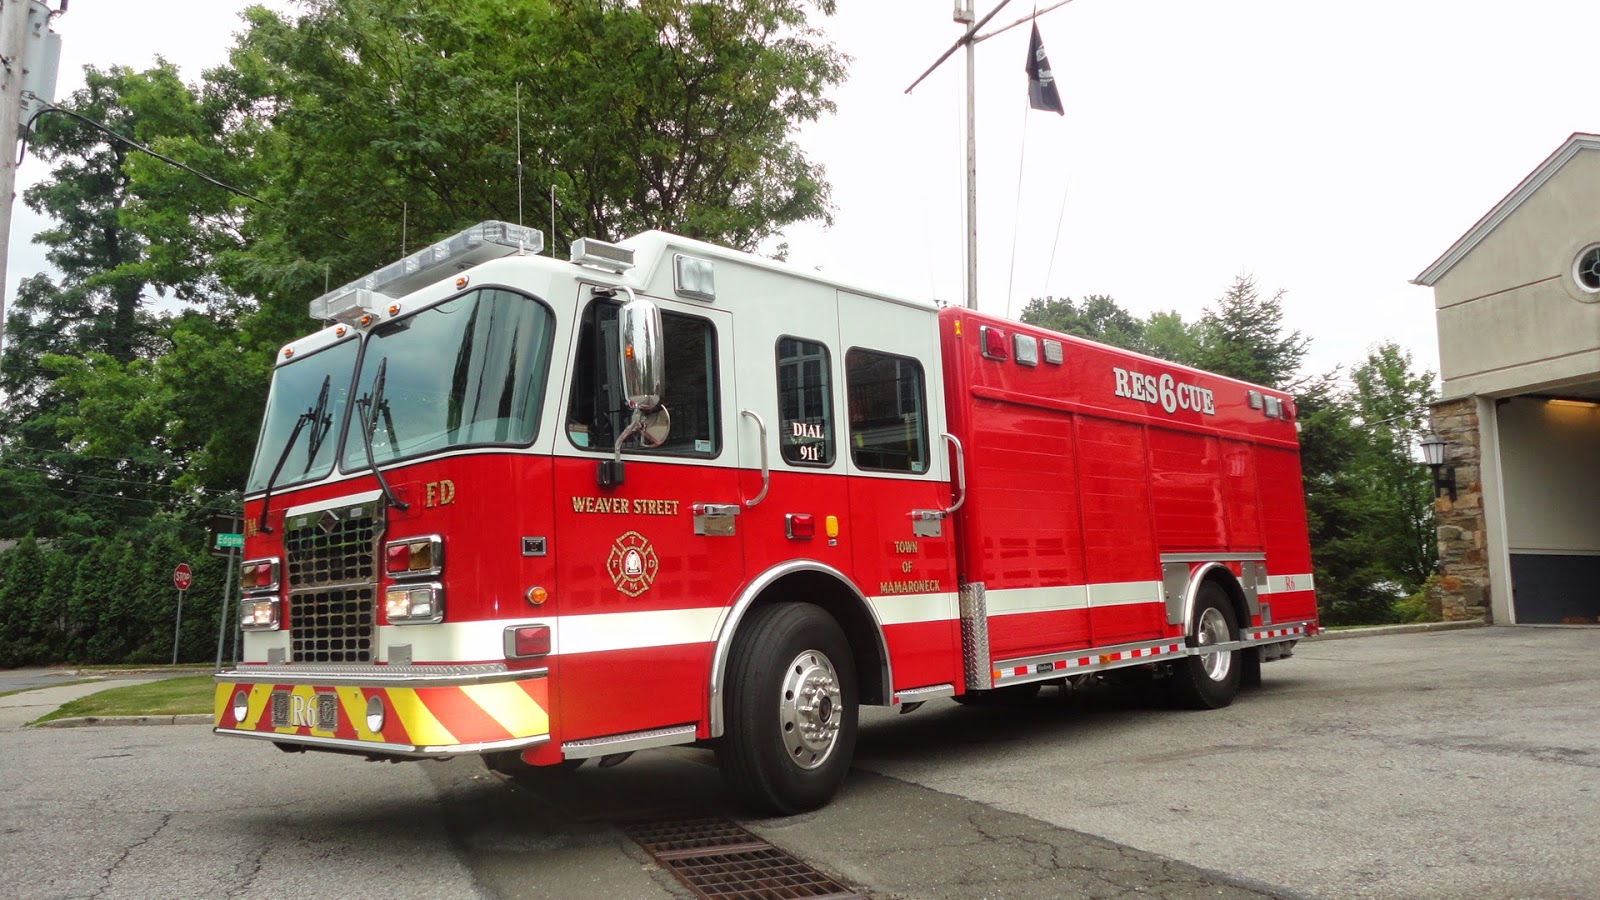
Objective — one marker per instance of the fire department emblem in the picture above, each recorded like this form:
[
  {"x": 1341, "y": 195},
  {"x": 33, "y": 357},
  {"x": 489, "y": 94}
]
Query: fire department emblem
[{"x": 632, "y": 564}]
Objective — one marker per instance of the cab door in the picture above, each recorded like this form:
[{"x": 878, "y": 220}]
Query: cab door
[
  {"x": 901, "y": 538},
  {"x": 644, "y": 579}
]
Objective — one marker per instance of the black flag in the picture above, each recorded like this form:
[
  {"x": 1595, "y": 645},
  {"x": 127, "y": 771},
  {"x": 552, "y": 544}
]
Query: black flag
[{"x": 1042, "y": 93}]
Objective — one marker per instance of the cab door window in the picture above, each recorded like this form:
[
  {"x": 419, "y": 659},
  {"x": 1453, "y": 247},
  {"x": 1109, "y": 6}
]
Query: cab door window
[
  {"x": 597, "y": 410},
  {"x": 805, "y": 403},
  {"x": 888, "y": 411}
]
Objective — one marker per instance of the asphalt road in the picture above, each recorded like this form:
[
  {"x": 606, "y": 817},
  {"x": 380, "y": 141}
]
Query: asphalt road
[{"x": 1439, "y": 765}]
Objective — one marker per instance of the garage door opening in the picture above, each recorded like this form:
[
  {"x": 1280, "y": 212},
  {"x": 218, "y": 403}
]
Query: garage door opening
[{"x": 1550, "y": 470}]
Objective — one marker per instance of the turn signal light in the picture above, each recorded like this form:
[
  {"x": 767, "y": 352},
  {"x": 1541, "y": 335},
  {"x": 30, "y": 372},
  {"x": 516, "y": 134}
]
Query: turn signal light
[
  {"x": 258, "y": 575},
  {"x": 413, "y": 556}
]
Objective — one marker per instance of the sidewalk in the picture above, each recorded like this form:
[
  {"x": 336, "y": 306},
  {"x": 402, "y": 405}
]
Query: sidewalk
[{"x": 18, "y": 710}]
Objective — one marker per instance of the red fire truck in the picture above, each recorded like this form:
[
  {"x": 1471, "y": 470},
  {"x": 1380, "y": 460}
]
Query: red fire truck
[{"x": 663, "y": 492}]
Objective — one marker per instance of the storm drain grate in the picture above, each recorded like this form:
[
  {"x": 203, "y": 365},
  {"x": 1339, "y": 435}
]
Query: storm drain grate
[{"x": 718, "y": 860}]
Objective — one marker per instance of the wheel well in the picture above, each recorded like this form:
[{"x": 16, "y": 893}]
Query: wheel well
[
  {"x": 847, "y": 608},
  {"x": 1235, "y": 593}
]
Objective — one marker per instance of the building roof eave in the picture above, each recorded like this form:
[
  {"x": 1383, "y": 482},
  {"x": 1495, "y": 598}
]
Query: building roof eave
[{"x": 1491, "y": 220}]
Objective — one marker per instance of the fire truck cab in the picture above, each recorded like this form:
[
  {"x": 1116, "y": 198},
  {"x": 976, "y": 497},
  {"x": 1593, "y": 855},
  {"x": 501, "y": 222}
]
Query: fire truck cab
[{"x": 664, "y": 492}]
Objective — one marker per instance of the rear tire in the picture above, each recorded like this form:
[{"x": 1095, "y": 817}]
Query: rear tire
[
  {"x": 1208, "y": 680},
  {"x": 791, "y": 707}
]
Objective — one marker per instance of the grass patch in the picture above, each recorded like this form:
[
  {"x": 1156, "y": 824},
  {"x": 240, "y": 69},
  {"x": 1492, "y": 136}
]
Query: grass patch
[
  {"x": 41, "y": 687},
  {"x": 169, "y": 697}
]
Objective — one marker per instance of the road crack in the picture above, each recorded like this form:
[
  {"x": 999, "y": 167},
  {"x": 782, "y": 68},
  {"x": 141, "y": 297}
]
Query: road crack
[{"x": 105, "y": 877}]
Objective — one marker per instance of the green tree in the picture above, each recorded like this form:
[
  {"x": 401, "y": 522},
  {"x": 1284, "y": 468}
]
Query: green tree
[
  {"x": 1391, "y": 401},
  {"x": 1167, "y": 336},
  {"x": 1098, "y": 318},
  {"x": 1369, "y": 505},
  {"x": 1243, "y": 336},
  {"x": 22, "y": 581},
  {"x": 97, "y": 307}
]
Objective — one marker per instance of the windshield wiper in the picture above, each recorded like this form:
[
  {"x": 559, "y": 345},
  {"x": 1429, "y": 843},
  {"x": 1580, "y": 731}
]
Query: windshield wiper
[
  {"x": 321, "y": 423},
  {"x": 370, "y": 405},
  {"x": 317, "y": 414}
]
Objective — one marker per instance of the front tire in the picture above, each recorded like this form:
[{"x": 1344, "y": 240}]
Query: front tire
[
  {"x": 1208, "y": 680},
  {"x": 791, "y": 705}
]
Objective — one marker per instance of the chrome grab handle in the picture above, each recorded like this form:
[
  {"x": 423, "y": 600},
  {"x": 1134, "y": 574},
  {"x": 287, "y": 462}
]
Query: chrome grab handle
[
  {"x": 766, "y": 474},
  {"x": 715, "y": 510},
  {"x": 961, "y": 472}
]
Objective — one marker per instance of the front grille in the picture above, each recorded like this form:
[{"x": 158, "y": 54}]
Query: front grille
[
  {"x": 330, "y": 564},
  {"x": 333, "y": 625},
  {"x": 331, "y": 547}
]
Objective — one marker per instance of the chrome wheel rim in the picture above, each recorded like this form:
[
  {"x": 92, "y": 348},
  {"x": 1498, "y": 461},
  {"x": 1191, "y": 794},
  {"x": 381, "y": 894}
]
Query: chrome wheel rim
[
  {"x": 810, "y": 709},
  {"x": 1213, "y": 629}
]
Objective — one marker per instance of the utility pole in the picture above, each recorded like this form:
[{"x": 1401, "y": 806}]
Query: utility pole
[
  {"x": 13, "y": 44},
  {"x": 29, "y": 56},
  {"x": 964, "y": 15}
]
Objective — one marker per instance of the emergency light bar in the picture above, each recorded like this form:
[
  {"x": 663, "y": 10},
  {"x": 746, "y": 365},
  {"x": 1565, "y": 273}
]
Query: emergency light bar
[
  {"x": 463, "y": 250},
  {"x": 601, "y": 255}
]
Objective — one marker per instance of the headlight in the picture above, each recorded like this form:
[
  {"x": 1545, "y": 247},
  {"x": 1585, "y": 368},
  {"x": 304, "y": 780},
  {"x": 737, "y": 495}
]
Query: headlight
[
  {"x": 258, "y": 614},
  {"x": 410, "y": 603}
]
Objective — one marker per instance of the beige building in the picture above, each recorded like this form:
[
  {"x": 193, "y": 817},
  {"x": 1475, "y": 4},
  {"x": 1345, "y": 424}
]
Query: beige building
[{"x": 1518, "y": 308}]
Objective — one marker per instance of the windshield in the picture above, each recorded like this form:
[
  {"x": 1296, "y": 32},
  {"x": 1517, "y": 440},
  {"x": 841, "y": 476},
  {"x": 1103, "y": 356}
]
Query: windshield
[
  {"x": 468, "y": 372},
  {"x": 296, "y": 388}
]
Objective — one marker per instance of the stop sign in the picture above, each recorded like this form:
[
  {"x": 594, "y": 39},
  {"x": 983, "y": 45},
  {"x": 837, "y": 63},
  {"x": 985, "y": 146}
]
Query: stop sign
[{"x": 181, "y": 576}]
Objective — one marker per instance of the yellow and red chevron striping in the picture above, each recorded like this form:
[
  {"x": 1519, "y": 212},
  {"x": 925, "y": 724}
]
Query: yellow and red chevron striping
[{"x": 426, "y": 716}]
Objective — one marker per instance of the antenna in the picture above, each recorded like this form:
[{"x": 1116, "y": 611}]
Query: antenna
[
  {"x": 519, "y": 154},
  {"x": 405, "y": 222},
  {"x": 552, "y": 220}
]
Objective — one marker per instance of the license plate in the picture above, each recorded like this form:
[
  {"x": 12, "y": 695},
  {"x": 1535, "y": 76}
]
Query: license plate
[{"x": 320, "y": 711}]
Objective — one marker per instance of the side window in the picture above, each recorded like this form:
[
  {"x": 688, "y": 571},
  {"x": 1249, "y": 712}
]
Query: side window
[
  {"x": 597, "y": 412},
  {"x": 888, "y": 412},
  {"x": 805, "y": 403}
]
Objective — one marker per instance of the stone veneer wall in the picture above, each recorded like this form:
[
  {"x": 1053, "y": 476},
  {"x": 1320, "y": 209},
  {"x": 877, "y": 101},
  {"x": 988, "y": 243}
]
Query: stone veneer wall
[{"x": 1462, "y": 591}]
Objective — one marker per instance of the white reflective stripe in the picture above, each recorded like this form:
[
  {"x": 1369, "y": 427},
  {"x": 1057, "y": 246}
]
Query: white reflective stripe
[
  {"x": 1283, "y": 584},
  {"x": 1124, "y": 592},
  {"x": 910, "y": 609},
  {"x": 485, "y": 640},
  {"x": 635, "y": 630},
  {"x": 257, "y": 643},
  {"x": 1036, "y": 600},
  {"x": 453, "y": 641},
  {"x": 1012, "y": 601},
  {"x": 344, "y": 502}
]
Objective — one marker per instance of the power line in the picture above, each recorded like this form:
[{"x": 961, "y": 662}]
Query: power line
[{"x": 135, "y": 145}]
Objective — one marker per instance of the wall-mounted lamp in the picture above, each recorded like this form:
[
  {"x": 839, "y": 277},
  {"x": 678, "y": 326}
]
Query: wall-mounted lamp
[{"x": 1433, "y": 454}]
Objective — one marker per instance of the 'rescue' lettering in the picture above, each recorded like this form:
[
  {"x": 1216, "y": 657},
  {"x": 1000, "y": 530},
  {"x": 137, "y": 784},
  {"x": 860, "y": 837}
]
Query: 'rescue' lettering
[
  {"x": 623, "y": 506},
  {"x": 1164, "y": 391}
]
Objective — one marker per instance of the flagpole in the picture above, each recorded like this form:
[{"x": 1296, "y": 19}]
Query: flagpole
[{"x": 972, "y": 155}]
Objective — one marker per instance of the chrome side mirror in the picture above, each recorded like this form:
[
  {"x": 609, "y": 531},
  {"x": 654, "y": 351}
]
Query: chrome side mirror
[
  {"x": 639, "y": 325},
  {"x": 643, "y": 380}
]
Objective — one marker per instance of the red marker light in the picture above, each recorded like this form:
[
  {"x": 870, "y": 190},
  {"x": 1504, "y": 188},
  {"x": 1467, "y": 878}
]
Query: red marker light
[
  {"x": 994, "y": 343},
  {"x": 397, "y": 558},
  {"x": 800, "y": 526},
  {"x": 531, "y": 640}
]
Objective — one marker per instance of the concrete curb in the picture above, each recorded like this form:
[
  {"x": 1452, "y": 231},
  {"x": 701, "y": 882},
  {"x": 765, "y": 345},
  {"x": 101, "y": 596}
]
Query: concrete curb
[
  {"x": 87, "y": 721},
  {"x": 1414, "y": 628}
]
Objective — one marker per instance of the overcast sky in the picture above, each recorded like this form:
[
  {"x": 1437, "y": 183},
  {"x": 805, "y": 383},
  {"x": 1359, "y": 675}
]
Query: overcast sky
[{"x": 1332, "y": 150}]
